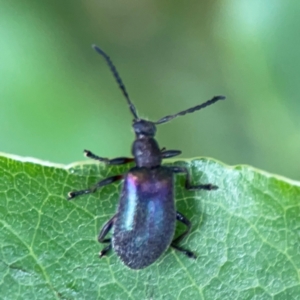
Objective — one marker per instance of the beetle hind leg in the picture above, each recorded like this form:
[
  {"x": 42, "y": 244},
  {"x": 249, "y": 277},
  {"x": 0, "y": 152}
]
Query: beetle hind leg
[
  {"x": 104, "y": 251},
  {"x": 181, "y": 218},
  {"x": 101, "y": 237},
  {"x": 186, "y": 252}
]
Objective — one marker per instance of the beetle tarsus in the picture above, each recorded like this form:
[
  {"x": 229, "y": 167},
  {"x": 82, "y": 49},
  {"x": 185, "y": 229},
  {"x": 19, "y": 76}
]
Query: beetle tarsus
[
  {"x": 186, "y": 252},
  {"x": 104, "y": 251},
  {"x": 209, "y": 187},
  {"x": 74, "y": 194},
  {"x": 190, "y": 254},
  {"x": 91, "y": 155},
  {"x": 70, "y": 196}
]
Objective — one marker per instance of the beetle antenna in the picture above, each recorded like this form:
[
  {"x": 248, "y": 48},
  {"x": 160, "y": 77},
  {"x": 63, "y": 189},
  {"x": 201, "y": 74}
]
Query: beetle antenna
[
  {"x": 118, "y": 79},
  {"x": 190, "y": 110}
]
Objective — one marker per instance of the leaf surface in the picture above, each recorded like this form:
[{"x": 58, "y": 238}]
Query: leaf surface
[{"x": 246, "y": 235}]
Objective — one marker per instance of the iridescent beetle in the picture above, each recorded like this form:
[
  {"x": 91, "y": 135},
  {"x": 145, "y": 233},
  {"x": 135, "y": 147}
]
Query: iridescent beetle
[{"x": 144, "y": 224}]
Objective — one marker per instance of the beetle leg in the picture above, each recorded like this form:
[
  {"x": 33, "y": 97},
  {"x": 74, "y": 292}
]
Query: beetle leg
[
  {"x": 181, "y": 218},
  {"x": 98, "y": 185},
  {"x": 169, "y": 153},
  {"x": 114, "y": 161},
  {"x": 188, "y": 184},
  {"x": 105, "y": 230},
  {"x": 105, "y": 250},
  {"x": 101, "y": 237},
  {"x": 186, "y": 252}
]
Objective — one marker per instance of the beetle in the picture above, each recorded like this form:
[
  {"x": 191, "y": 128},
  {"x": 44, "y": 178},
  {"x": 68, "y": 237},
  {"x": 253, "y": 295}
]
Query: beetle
[{"x": 144, "y": 224}]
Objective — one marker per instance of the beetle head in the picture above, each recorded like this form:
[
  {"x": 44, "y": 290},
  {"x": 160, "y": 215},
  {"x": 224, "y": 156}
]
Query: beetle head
[{"x": 144, "y": 128}]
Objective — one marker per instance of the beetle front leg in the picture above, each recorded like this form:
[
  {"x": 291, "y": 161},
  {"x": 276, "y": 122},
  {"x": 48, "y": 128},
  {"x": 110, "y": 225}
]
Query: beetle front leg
[
  {"x": 101, "y": 237},
  {"x": 181, "y": 218},
  {"x": 188, "y": 184},
  {"x": 114, "y": 161},
  {"x": 98, "y": 185}
]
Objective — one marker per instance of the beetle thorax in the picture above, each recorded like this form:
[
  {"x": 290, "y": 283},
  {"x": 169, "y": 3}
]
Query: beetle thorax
[{"x": 146, "y": 152}]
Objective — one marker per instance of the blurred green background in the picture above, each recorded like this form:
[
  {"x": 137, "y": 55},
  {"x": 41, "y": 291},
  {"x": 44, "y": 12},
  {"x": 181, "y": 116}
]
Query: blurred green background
[{"x": 58, "y": 97}]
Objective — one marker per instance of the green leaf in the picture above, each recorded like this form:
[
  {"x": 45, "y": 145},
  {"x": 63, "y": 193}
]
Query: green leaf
[{"x": 246, "y": 235}]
